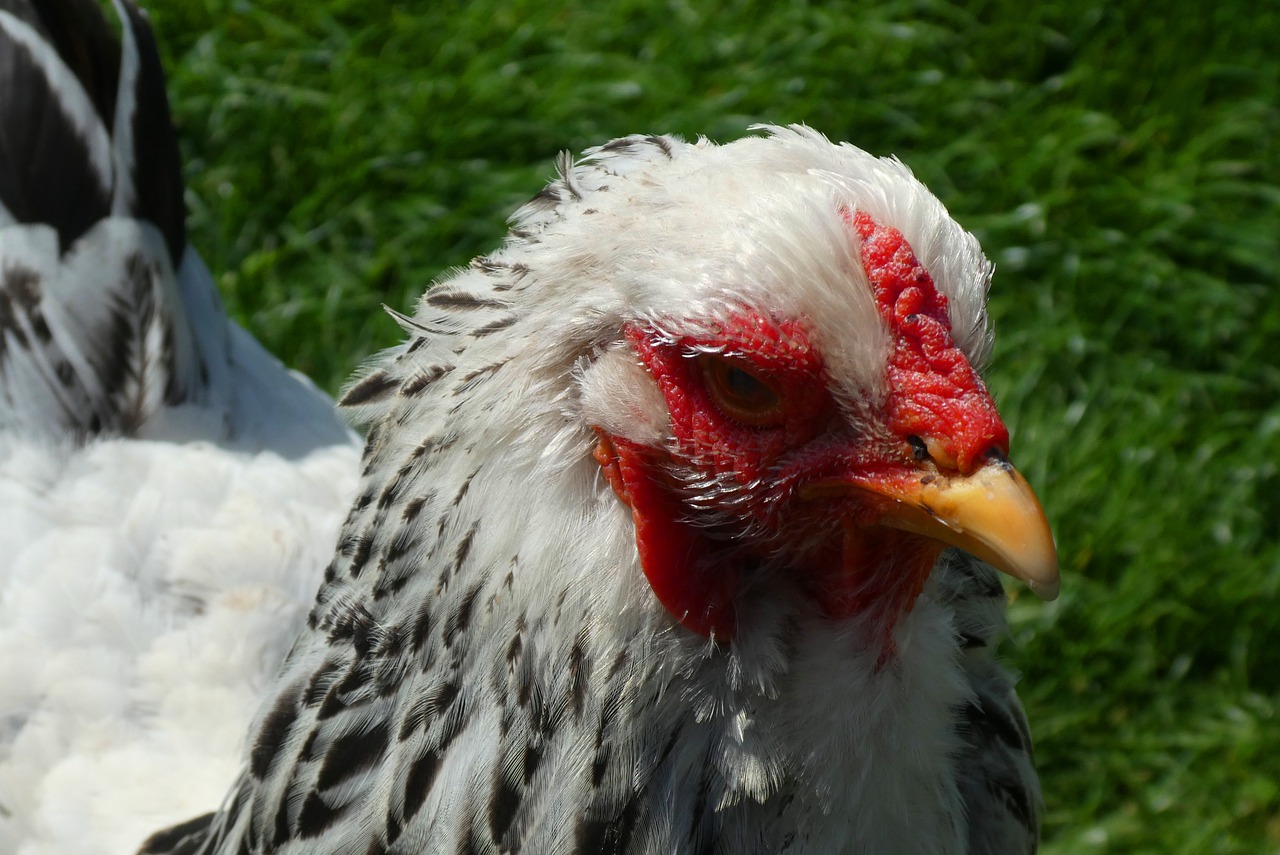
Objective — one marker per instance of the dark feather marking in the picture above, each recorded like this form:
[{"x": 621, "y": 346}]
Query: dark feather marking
[
  {"x": 422, "y": 625},
  {"x": 46, "y": 173},
  {"x": 425, "y": 447},
  {"x": 622, "y": 144},
  {"x": 316, "y": 816},
  {"x": 462, "y": 300},
  {"x": 363, "y": 546},
  {"x": 469, "y": 844},
  {"x": 600, "y": 764},
  {"x": 462, "y": 491},
  {"x": 994, "y": 720},
  {"x": 185, "y": 838},
  {"x": 321, "y": 682},
  {"x": 390, "y": 643},
  {"x": 402, "y": 542},
  {"x": 351, "y": 621},
  {"x": 9, "y": 322},
  {"x": 579, "y": 675},
  {"x": 603, "y": 750},
  {"x": 280, "y": 825},
  {"x": 308, "y": 752},
  {"x": 488, "y": 369},
  {"x": 532, "y": 759},
  {"x": 619, "y": 662},
  {"x": 427, "y": 708},
  {"x": 551, "y": 193},
  {"x": 390, "y": 493},
  {"x": 85, "y": 41},
  {"x": 461, "y": 619},
  {"x": 394, "y": 827},
  {"x": 671, "y": 744},
  {"x": 422, "y": 775},
  {"x": 363, "y": 501},
  {"x": 392, "y": 585},
  {"x": 423, "y": 379},
  {"x": 273, "y": 733},
  {"x": 464, "y": 547},
  {"x": 23, "y": 286},
  {"x": 662, "y": 143},
  {"x": 352, "y": 754},
  {"x": 494, "y": 326},
  {"x": 157, "y": 175},
  {"x": 338, "y": 697},
  {"x": 375, "y": 387},
  {"x": 503, "y": 804},
  {"x": 610, "y": 836},
  {"x": 412, "y": 509},
  {"x": 441, "y": 698}
]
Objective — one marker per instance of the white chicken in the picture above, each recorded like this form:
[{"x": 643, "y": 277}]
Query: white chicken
[
  {"x": 169, "y": 493},
  {"x": 649, "y": 553}
]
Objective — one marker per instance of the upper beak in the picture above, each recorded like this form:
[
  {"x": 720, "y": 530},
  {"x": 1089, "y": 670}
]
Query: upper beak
[{"x": 990, "y": 513}]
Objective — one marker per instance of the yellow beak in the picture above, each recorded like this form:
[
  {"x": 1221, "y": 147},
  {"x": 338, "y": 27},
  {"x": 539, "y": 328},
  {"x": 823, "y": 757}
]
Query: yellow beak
[{"x": 991, "y": 513}]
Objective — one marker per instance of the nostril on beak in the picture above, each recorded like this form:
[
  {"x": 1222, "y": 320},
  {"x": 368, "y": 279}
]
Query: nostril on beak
[
  {"x": 931, "y": 449},
  {"x": 940, "y": 455},
  {"x": 998, "y": 458}
]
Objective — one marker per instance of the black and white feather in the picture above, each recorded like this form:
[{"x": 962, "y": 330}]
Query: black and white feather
[
  {"x": 486, "y": 668},
  {"x": 169, "y": 493}
]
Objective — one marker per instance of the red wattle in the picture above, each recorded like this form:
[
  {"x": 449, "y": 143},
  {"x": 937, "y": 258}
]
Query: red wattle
[{"x": 674, "y": 556}]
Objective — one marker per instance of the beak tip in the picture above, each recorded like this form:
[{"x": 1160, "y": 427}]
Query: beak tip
[{"x": 1045, "y": 589}]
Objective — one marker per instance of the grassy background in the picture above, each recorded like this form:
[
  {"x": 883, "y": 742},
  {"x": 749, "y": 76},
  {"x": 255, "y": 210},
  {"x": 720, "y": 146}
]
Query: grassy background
[{"x": 1119, "y": 161}]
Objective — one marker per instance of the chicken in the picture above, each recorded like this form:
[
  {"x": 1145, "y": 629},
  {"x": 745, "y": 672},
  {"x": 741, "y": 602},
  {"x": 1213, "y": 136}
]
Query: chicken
[
  {"x": 657, "y": 544},
  {"x": 169, "y": 493}
]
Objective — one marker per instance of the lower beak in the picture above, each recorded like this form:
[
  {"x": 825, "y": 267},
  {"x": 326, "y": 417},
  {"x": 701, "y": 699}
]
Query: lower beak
[{"x": 991, "y": 513}]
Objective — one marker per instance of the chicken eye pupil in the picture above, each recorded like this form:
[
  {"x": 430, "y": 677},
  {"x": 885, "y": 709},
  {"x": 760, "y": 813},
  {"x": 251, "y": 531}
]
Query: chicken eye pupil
[
  {"x": 745, "y": 386},
  {"x": 742, "y": 394}
]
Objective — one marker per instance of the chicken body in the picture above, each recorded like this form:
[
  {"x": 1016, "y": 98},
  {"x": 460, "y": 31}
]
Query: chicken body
[{"x": 639, "y": 561}]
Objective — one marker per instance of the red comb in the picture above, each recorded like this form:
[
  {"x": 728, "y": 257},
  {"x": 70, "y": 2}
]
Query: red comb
[{"x": 934, "y": 392}]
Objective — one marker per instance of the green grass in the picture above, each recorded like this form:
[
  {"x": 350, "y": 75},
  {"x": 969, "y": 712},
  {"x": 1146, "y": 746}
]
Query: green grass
[{"x": 1119, "y": 161}]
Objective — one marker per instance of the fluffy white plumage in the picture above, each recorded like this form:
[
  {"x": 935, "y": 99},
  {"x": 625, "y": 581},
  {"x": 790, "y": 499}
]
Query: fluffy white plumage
[{"x": 169, "y": 493}]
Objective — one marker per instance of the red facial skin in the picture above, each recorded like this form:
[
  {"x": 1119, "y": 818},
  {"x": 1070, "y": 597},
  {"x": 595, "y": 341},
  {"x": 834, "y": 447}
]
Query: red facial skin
[
  {"x": 935, "y": 393},
  {"x": 723, "y": 499}
]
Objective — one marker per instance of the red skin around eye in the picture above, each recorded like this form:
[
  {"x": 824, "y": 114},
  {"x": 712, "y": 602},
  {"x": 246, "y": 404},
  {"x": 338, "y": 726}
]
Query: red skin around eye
[{"x": 778, "y": 352}]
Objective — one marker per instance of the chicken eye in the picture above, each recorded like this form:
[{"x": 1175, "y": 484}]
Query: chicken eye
[{"x": 740, "y": 393}]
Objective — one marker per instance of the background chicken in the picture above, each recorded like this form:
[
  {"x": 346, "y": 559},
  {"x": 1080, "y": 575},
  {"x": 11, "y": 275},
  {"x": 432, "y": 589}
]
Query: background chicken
[{"x": 169, "y": 493}]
